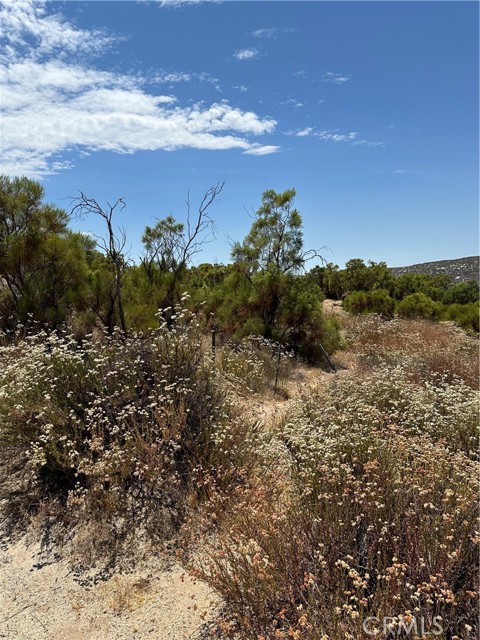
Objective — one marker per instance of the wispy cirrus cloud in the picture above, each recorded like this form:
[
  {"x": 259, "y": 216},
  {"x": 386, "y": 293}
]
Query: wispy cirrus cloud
[
  {"x": 333, "y": 135},
  {"x": 261, "y": 150},
  {"x": 55, "y": 101},
  {"x": 180, "y": 3},
  {"x": 246, "y": 54},
  {"x": 335, "y": 78},
  {"x": 369, "y": 143},
  {"x": 302, "y": 133},
  {"x": 292, "y": 102},
  {"x": 171, "y": 77},
  {"x": 176, "y": 77},
  {"x": 271, "y": 32}
]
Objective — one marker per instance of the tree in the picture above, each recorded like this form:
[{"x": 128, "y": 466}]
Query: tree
[
  {"x": 275, "y": 240},
  {"x": 461, "y": 293},
  {"x": 113, "y": 245},
  {"x": 162, "y": 246},
  {"x": 102, "y": 299},
  {"x": 330, "y": 279},
  {"x": 42, "y": 263},
  {"x": 170, "y": 245},
  {"x": 432, "y": 286},
  {"x": 266, "y": 291},
  {"x": 273, "y": 252}
]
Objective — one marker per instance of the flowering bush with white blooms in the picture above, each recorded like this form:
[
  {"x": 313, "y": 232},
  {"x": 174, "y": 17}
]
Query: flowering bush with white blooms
[
  {"x": 113, "y": 428},
  {"x": 371, "y": 512},
  {"x": 253, "y": 364}
]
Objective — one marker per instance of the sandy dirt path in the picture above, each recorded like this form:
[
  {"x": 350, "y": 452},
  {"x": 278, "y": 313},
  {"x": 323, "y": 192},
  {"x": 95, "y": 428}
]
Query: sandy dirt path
[{"x": 41, "y": 599}]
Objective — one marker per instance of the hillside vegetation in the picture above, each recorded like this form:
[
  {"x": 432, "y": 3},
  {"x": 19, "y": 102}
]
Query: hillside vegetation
[
  {"x": 317, "y": 502},
  {"x": 459, "y": 269}
]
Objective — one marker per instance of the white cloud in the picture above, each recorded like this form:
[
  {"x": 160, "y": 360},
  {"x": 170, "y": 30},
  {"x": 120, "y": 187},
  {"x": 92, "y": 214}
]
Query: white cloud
[
  {"x": 262, "y": 150},
  {"x": 293, "y": 102},
  {"x": 369, "y": 143},
  {"x": 23, "y": 19},
  {"x": 246, "y": 54},
  {"x": 400, "y": 171},
  {"x": 271, "y": 32},
  {"x": 241, "y": 87},
  {"x": 303, "y": 133},
  {"x": 336, "y": 78},
  {"x": 174, "y": 77},
  {"x": 165, "y": 77},
  {"x": 337, "y": 137},
  {"x": 333, "y": 135},
  {"x": 53, "y": 105},
  {"x": 181, "y": 3}
]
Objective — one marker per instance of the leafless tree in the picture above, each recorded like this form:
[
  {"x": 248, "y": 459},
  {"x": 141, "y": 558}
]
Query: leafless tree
[
  {"x": 113, "y": 245},
  {"x": 171, "y": 245}
]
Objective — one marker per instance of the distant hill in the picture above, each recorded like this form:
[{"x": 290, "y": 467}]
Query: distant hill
[{"x": 459, "y": 269}]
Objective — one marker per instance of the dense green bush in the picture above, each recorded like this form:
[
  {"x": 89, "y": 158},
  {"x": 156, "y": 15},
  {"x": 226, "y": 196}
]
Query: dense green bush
[
  {"x": 377, "y": 301},
  {"x": 461, "y": 293},
  {"x": 465, "y": 315},
  {"x": 418, "y": 305},
  {"x": 380, "y": 302},
  {"x": 432, "y": 286},
  {"x": 356, "y": 302},
  {"x": 43, "y": 270}
]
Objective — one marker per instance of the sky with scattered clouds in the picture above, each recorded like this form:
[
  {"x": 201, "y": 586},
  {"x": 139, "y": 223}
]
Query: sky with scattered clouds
[{"x": 368, "y": 109}]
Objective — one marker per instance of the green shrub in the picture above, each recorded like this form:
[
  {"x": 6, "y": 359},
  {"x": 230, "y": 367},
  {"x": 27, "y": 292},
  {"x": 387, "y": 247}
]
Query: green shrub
[
  {"x": 356, "y": 302},
  {"x": 465, "y": 315},
  {"x": 378, "y": 301},
  {"x": 418, "y": 305},
  {"x": 461, "y": 293}
]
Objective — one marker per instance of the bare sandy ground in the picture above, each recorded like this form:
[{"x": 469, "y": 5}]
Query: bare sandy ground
[
  {"x": 334, "y": 307},
  {"x": 41, "y": 599}
]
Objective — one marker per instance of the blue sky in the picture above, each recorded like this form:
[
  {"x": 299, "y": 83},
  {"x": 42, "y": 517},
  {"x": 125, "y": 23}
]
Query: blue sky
[{"x": 368, "y": 109}]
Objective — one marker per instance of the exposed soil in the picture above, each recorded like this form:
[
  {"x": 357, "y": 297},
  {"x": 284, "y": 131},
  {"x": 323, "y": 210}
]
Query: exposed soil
[{"x": 41, "y": 599}]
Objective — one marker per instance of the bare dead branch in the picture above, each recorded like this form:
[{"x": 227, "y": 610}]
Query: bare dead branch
[{"x": 113, "y": 245}]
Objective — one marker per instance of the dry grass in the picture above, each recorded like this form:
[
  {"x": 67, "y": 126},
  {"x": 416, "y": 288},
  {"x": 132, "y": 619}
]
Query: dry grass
[
  {"x": 426, "y": 347},
  {"x": 363, "y": 502},
  {"x": 253, "y": 365},
  {"x": 123, "y": 593}
]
